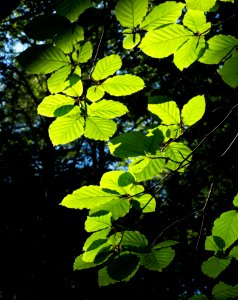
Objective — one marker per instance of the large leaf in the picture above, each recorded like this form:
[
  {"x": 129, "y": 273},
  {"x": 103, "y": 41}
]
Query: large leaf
[
  {"x": 158, "y": 259},
  {"x": 215, "y": 265},
  {"x": 107, "y": 109},
  {"x": 167, "y": 111},
  {"x": 163, "y": 14},
  {"x": 219, "y": 47},
  {"x": 130, "y": 13},
  {"x": 164, "y": 41},
  {"x": 134, "y": 238},
  {"x": 69, "y": 38},
  {"x": 229, "y": 71},
  {"x": 99, "y": 222},
  {"x": 204, "y": 5},
  {"x": 72, "y": 9},
  {"x": 75, "y": 88},
  {"x": 193, "y": 111},
  {"x": 67, "y": 128},
  {"x": 104, "y": 279},
  {"x": 50, "y": 104},
  {"x": 130, "y": 144},
  {"x": 43, "y": 59},
  {"x": 57, "y": 81},
  {"x": 99, "y": 235},
  {"x": 106, "y": 66},
  {"x": 123, "y": 85},
  {"x": 124, "y": 267},
  {"x": 46, "y": 26},
  {"x": 98, "y": 128},
  {"x": 223, "y": 291},
  {"x": 194, "y": 20},
  {"x": 226, "y": 227},
  {"x": 87, "y": 197}
]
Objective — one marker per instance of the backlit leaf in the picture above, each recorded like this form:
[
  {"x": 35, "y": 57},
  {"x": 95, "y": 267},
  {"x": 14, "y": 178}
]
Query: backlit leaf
[
  {"x": 72, "y": 9},
  {"x": 158, "y": 259},
  {"x": 204, "y": 5},
  {"x": 193, "y": 111},
  {"x": 107, "y": 109},
  {"x": 98, "y": 128},
  {"x": 131, "y": 39},
  {"x": 57, "y": 81},
  {"x": 167, "y": 111},
  {"x": 106, "y": 66},
  {"x": 98, "y": 222},
  {"x": 83, "y": 53},
  {"x": 95, "y": 92},
  {"x": 229, "y": 71}
]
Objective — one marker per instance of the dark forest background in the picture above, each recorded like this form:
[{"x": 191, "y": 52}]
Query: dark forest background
[{"x": 39, "y": 238}]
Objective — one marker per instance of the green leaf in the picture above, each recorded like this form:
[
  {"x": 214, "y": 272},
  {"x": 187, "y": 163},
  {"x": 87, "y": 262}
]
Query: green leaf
[
  {"x": 198, "y": 297},
  {"x": 214, "y": 243},
  {"x": 123, "y": 85},
  {"x": 214, "y": 266},
  {"x": 107, "y": 109},
  {"x": 83, "y": 53},
  {"x": 167, "y": 111},
  {"x": 204, "y": 5},
  {"x": 177, "y": 154},
  {"x": 189, "y": 52},
  {"x": 75, "y": 88},
  {"x": 147, "y": 202},
  {"x": 98, "y": 222},
  {"x": 226, "y": 227},
  {"x": 165, "y": 244},
  {"x": 72, "y": 9},
  {"x": 162, "y": 14},
  {"x": 106, "y": 66},
  {"x": 219, "y": 47},
  {"x": 130, "y": 13},
  {"x": 43, "y": 59},
  {"x": 134, "y": 239},
  {"x": 235, "y": 201},
  {"x": 229, "y": 71},
  {"x": 223, "y": 291},
  {"x": 118, "y": 207},
  {"x": 130, "y": 144},
  {"x": 119, "y": 181},
  {"x": 194, "y": 20},
  {"x": 193, "y": 111},
  {"x": 124, "y": 267},
  {"x": 234, "y": 252},
  {"x": 80, "y": 264},
  {"x": 95, "y": 93},
  {"x": 57, "y": 81},
  {"x": 67, "y": 128},
  {"x": 87, "y": 197},
  {"x": 100, "y": 254},
  {"x": 46, "y": 26},
  {"x": 99, "y": 235},
  {"x": 170, "y": 131},
  {"x": 154, "y": 139},
  {"x": 131, "y": 39},
  {"x": 158, "y": 259},
  {"x": 50, "y": 104},
  {"x": 164, "y": 41},
  {"x": 69, "y": 38},
  {"x": 104, "y": 279},
  {"x": 98, "y": 128}
]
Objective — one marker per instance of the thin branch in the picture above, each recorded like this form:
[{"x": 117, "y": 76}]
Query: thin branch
[
  {"x": 230, "y": 145},
  {"x": 203, "y": 215}
]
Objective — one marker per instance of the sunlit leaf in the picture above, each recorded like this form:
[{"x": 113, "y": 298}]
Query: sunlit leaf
[
  {"x": 157, "y": 259},
  {"x": 193, "y": 111},
  {"x": 123, "y": 85},
  {"x": 204, "y": 5},
  {"x": 95, "y": 92},
  {"x": 178, "y": 155},
  {"x": 235, "y": 201},
  {"x": 107, "y": 109},
  {"x": 130, "y": 13},
  {"x": 167, "y": 111},
  {"x": 80, "y": 264},
  {"x": 57, "y": 81},
  {"x": 106, "y": 66},
  {"x": 75, "y": 88},
  {"x": 131, "y": 39},
  {"x": 162, "y": 14},
  {"x": 98, "y": 222},
  {"x": 83, "y": 53},
  {"x": 98, "y": 128},
  {"x": 87, "y": 197},
  {"x": 72, "y": 9},
  {"x": 104, "y": 279},
  {"x": 229, "y": 71},
  {"x": 194, "y": 20},
  {"x": 147, "y": 202}
]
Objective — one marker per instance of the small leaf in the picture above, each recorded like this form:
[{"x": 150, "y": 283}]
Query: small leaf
[
  {"x": 43, "y": 59},
  {"x": 98, "y": 222},
  {"x": 235, "y": 201},
  {"x": 130, "y": 13},
  {"x": 131, "y": 39},
  {"x": 194, "y": 20},
  {"x": 193, "y": 111},
  {"x": 80, "y": 264},
  {"x": 100, "y": 235},
  {"x": 107, "y": 109},
  {"x": 229, "y": 71},
  {"x": 75, "y": 88},
  {"x": 106, "y": 66},
  {"x": 98, "y": 128},
  {"x": 215, "y": 265},
  {"x": 123, "y": 85},
  {"x": 165, "y": 244},
  {"x": 72, "y": 9},
  {"x": 147, "y": 202},
  {"x": 95, "y": 92},
  {"x": 83, "y": 53},
  {"x": 104, "y": 279},
  {"x": 214, "y": 243},
  {"x": 67, "y": 128},
  {"x": 234, "y": 252}
]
